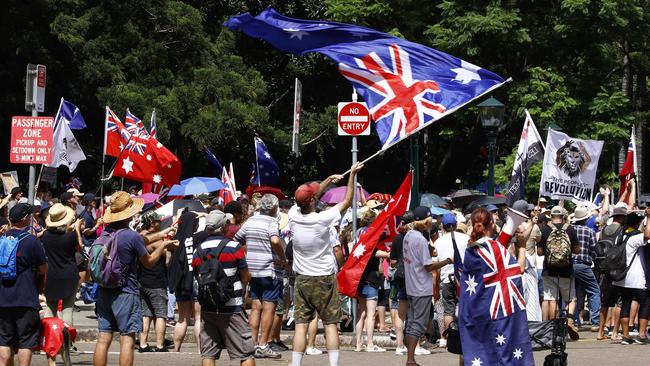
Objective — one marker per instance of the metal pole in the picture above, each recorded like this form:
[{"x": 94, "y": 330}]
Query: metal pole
[
  {"x": 354, "y": 209},
  {"x": 415, "y": 165},
  {"x": 492, "y": 137},
  {"x": 32, "y": 169}
]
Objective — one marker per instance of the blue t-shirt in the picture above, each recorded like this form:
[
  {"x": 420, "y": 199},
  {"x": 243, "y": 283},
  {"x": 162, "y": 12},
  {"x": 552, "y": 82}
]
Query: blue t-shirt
[
  {"x": 23, "y": 292},
  {"x": 130, "y": 247},
  {"x": 89, "y": 222}
]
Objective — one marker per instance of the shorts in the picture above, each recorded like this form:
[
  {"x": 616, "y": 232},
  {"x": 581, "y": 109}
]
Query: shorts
[
  {"x": 118, "y": 312},
  {"x": 19, "y": 327},
  {"x": 266, "y": 289},
  {"x": 630, "y": 294},
  {"x": 154, "y": 302},
  {"x": 554, "y": 287},
  {"x": 449, "y": 298},
  {"x": 382, "y": 300},
  {"x": 317, "y": 294},
  {"x": 418, "y": 316},
  {"x": 610, "y": 295},
  {"x": 285, "y": 300},
  {"x": 225, "y": 331},
  {"x": 366, "y": 291},
  {"x": 193, "y": 297}
]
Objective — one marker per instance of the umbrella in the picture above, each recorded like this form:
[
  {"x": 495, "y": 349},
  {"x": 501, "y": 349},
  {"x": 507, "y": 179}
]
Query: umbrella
[
  {"x": 196, "y": 185},
  {"x": 149, "y": 197},
  {"x": 252, "y": 189},
  {"x": 489, "y": 200},
  {"x": 431, "y": 199},
  {"x": 464, "y": 196},
  {"x": 336, "y": 195},
  {"x": 437, "y": 211}
]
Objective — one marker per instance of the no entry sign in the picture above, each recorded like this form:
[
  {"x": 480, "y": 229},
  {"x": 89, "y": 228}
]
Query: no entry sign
[
  {"x": 354, "y": 119},
  {"x": 31, "y": 140}
]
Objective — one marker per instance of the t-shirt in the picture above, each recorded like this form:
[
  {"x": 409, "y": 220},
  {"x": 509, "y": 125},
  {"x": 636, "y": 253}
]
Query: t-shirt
[
  {"x": 313, "y": 252},
  {"x": 23, "y": 292},
  {"x": 154, "y": 277},
  {"x": 60, "y": 249},
  {"x": 419, "y": 281},
  {"x": 233, "y": 260},
  {"x": 635, "y": 277},
  {"x": 573, "y": 238},
  {"x": 130, "y": 247},
  {"x": 89, "y": 223},
  {"x": 256, "y": 234},
  {"x": 232, "y": 230},
  {"x": 445, "y": 249}
]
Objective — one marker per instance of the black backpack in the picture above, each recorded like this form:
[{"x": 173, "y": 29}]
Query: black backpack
[
  {"x": 215, "y": 287},
  {"x": 605, "y": 244},
  {"x": 614, "y": 263}
]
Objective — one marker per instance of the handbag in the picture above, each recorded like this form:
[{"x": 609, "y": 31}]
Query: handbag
[{"x": 453, "y": 338}]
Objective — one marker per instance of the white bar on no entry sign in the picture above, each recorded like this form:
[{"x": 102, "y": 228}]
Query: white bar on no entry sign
[{"x": 354, "y": 118}]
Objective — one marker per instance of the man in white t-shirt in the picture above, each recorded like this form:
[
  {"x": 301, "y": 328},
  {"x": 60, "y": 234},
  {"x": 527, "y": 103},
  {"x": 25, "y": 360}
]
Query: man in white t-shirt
[
  {"x": 445, "y": 248},
  {"x": 314, "y": 263}
]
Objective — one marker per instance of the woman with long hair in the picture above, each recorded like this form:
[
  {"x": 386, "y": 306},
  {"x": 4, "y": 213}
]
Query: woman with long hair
[{"x": 181, "y": 279}]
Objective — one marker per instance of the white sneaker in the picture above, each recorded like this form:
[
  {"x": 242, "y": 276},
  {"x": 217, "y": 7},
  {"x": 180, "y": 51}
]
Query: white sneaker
[
  {"x": 419, "y": 351},
  {"x": 443, "y": 343},
  {"x": 313, "y": 351},
  {"x": 401, "y": 351}
]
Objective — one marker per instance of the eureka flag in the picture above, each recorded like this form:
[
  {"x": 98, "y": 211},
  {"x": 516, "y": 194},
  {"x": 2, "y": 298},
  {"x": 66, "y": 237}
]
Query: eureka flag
[
  {"x": 406, "y": 85},
  {"x": 529, "y": 151}
]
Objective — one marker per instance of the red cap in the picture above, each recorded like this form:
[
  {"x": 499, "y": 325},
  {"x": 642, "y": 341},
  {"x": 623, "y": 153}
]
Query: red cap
[{"x": 306, "y": 192}]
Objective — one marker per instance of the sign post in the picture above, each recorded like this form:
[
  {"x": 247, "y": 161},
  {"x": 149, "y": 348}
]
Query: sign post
[
  {"x": 35, "y": 102},
  {"x": 297, "y": 107}
]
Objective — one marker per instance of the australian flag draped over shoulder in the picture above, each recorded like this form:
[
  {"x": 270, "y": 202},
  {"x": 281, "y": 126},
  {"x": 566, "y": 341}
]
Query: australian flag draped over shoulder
[
  {"x": 406, "y": 85},
  {"x": 492, "y": 310},
  {"x": 530, "y": 150},
  {"x": 265, "y": 170}
]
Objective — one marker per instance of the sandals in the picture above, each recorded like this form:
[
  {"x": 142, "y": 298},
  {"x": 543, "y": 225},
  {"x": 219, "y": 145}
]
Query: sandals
[
  {"x": 360, "y": 349},
  {"x": 375, "y": 348}
]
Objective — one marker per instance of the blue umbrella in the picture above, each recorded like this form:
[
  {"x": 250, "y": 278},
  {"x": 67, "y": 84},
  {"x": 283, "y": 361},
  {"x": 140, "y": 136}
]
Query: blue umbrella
[
  {"x": 437, "y": 211},
  {"x": 430, "y": 199},
  {"x": 196, "y": 185}
]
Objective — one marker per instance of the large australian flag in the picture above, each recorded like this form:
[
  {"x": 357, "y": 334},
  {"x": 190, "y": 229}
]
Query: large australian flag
[
  {"x": 265, "y": 170},
  {"x": 406, "y": 85},
  {"x": 492, "y": 310}
]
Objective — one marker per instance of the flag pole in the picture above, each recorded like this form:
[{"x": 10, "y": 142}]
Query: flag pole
[
  {"x": 101, "y": 183},
  {"x": 257, "y": 165}
]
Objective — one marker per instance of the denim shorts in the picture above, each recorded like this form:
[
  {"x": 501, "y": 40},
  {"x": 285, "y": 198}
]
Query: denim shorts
[
  {"x": 266, "y": 289},
  {"x": 368, "y": 292},
  {"x": 118, "y": 312}
]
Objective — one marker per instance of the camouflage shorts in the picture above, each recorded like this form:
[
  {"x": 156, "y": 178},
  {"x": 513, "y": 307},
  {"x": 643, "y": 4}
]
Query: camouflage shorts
[{"x": 317, "y": 294}]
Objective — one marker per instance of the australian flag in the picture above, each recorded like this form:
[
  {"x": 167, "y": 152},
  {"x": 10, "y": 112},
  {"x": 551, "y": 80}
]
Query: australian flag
[
  {"x": 406, "y": 85},
  {"x": 265, "y": 169},
  {"x": 212, "y": 159},
  {"x": 70, "y": 114},
  {"x": 492, "y": 310}
]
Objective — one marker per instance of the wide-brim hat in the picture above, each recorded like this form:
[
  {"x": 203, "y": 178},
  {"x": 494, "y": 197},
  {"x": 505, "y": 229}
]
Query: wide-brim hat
[
  {"x": 122, "y": 207},
  {"x": 4, "y": 201},
  {"x": 580, "y": 213},
  {"x": 59, "y": 215}
]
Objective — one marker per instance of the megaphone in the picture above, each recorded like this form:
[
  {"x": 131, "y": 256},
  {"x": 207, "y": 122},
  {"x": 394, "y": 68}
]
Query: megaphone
[{"x": 514, "y": 219}]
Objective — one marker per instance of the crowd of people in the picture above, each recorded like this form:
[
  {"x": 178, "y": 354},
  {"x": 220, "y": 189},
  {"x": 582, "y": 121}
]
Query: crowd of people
[{"x": 241, "y": 272}]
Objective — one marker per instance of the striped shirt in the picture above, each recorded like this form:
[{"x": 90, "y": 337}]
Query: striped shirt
[
  {"x": 256, "y": 234},
  {"x": 233, "y": 260}
]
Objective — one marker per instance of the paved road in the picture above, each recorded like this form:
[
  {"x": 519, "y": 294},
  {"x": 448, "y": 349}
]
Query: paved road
[{"x": 587, "y": 351}]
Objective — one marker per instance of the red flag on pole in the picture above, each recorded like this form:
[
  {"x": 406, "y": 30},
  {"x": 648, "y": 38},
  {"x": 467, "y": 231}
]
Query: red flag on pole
[
  {"x": 350, "y": 274},
  {"x": 628, "y": 172}
]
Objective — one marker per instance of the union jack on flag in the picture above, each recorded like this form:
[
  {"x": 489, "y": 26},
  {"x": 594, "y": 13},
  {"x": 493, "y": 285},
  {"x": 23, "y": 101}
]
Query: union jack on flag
[
  {"x": 406, "y": 85},
  {"x": 139, "y": 135}
]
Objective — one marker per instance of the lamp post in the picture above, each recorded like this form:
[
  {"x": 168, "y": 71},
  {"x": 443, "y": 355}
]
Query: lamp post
[{"x": 492, "y": 112}]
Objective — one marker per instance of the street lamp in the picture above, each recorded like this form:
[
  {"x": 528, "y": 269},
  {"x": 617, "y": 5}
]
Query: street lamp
[{"x": 492, "y": 112}]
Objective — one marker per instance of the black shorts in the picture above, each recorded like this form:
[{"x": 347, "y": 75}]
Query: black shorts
[
  {"x": 20, "y": 327},
  {"x": 609, "y": 294}
]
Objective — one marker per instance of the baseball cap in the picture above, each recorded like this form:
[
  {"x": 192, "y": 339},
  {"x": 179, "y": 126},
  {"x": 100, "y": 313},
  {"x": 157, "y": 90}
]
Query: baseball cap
[
  {"x": 65, "y": 196},
  {"x": 75, "y": 192},
  {"x": 620, "y": 211},
  {"x": 491, "y": 208},
  {"x": 520, "y": 205},
  {"x": 421, "y": 213},
  {"x": 19, "y": 212},
  {"x": 558, "y": 211},
  {"x": 217, "y": 219},
  {"x": 149, "y": 217},
  {"x": 449, "y": 219},
  {"x": 88, "y": 197},
  {"x": 306, "y": 192}
]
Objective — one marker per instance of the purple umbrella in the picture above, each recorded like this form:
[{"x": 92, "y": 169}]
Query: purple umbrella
[
  {"x": 336, "y": 195},
  {"x": 149, "y": 197}
]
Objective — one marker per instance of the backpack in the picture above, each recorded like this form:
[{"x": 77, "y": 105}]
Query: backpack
[
  {"x": 215, "y": 287},
  {"x": 614, "y": 265},
  {"x": 604, "y": 245},
  {"x": 558, "y": 248},
  {"x": 104, "y": 265},
  {"x": 8, "y": 252}
]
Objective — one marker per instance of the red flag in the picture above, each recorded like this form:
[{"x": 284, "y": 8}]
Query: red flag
[
  {"x": 228, "y": 194},
  {"x": 350, "y": 274},
  {"x": 115, "y": 134},
  {"x": 628, "y": 172},
  {"x": 169, "y": 167},
  {"x": 51, "y": 338}
]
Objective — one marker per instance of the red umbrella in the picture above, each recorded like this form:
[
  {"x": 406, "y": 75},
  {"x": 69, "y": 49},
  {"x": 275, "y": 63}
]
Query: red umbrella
[{"x": 264, "y": 190}]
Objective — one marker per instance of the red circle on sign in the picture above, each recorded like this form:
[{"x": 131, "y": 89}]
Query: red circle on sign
[{"x": 354, "y": 118}]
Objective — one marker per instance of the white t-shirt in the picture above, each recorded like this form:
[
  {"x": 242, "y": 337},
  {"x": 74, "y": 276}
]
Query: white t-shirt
[
  {"x": 419, "y": 281},
  {"x": 635, "y": 277},
  {"x": 445, "y": 249},
  {"x": 313, "y": 253}
]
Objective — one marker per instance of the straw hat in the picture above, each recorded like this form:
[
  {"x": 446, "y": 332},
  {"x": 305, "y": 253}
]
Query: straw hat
[
  {"x": 122, "y": 207},
  {"x": 4, "y": 201},
  {"x": 59, "y": 215}
]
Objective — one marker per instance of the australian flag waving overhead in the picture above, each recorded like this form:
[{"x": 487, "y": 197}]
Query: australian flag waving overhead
[
  {"x": 265, "y": 169},
  {"x": 406, "y": 85},
  {"x": 492, "y": 310},
  {"x": 70, "y": 114}
]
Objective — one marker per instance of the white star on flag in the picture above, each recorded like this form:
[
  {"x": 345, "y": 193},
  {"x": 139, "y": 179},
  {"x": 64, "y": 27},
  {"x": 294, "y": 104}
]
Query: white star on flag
[
  {"x": 295, "y": 33},
  {"x": 148, "y": 157},
  {"x": 127, "y": 165},
  {"x": 157, "y": 178},
  {"x": 517, "y": 353},
  {"x": 471, "y": 285},
  {"x": 159, "y": 145},
  {"x": 466, "y": 73},
  {"x": 477, "y": 362},
  {"x": 54, "y": 327},
  {"x": 501, "y": 340},
  {"x": 358, "y": 251},
  {"x": 267, "y": 155}
]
